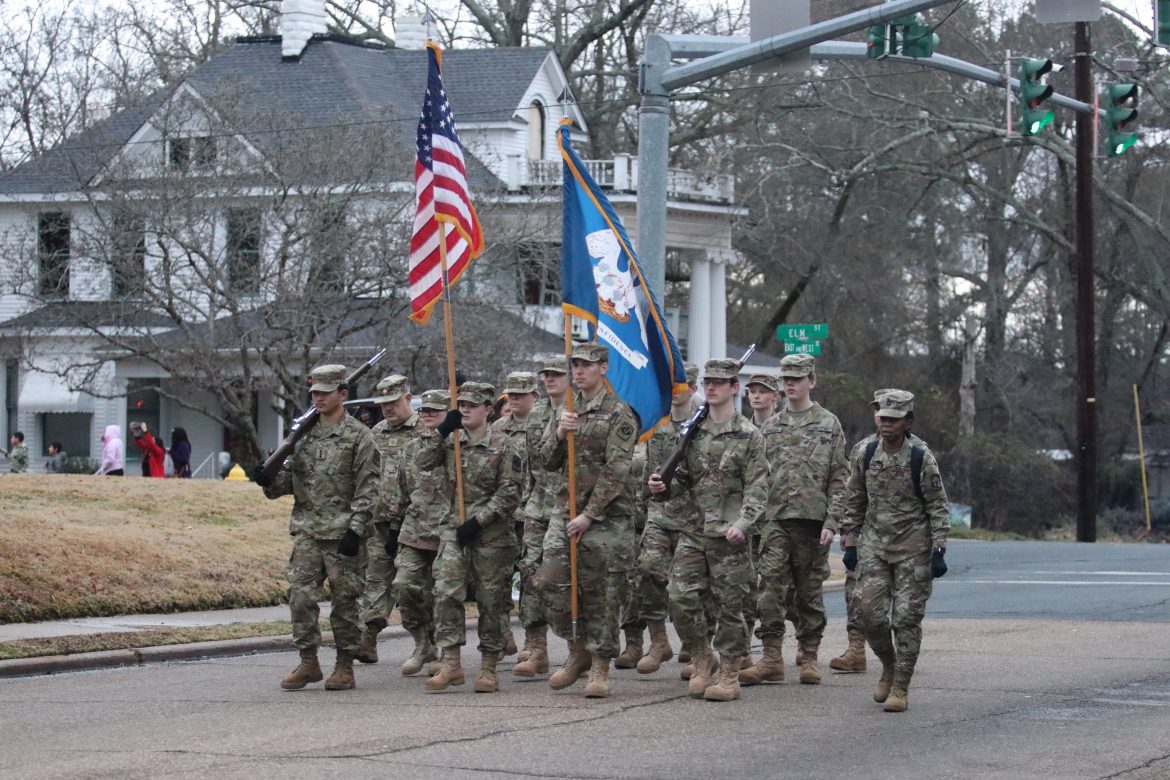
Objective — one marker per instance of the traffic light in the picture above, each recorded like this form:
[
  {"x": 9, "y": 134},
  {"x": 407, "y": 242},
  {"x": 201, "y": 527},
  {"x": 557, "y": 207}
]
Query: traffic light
[
  {"x": 875, "y": 42},
  {"x": 918, "y": 40},
  {"x": 1162, "y": 22},
  {"x": 1120, "y": 114},
  {"x": 1033, "y": 92}
]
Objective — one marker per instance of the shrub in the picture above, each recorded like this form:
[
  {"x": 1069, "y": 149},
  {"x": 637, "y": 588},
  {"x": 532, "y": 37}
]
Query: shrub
[{"x": 79, "y": 464}]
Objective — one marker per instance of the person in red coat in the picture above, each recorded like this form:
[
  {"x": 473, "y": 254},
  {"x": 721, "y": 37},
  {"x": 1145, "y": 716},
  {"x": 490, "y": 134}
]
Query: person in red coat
[{"x": 153, "y": 452}]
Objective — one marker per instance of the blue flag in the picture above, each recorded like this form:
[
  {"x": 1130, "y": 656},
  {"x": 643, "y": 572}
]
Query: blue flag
[{"x": 604, "y": 286}]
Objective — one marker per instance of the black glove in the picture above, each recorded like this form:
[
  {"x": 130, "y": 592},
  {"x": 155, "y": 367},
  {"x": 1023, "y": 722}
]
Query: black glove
[
  {"x": 392, "y": 542},
  {"x": 350, "y": 543},
  {"x": 938, "y": 565},
  {"x": 465, "y": 534},
  {"x": 452, "y": 422},
  {"x": 260, "y": 479},
  {"x": 850, "y": 558}
]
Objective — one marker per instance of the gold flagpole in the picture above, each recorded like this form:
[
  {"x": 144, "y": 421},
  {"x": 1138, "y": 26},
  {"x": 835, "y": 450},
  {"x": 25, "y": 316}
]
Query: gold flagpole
[
  {"x": 571, "y": 440},
  {"x": 449, "y": 334},
  {"x": 1137, "y": 411}
]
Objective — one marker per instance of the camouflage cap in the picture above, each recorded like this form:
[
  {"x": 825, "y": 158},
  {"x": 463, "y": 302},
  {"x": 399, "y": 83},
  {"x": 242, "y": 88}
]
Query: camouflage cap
[
  {"x": 594, "y": 353},
  {"x": 477, "y": 393},
  {"x": 877, "y": 396},
  {"x": 327, "y": 378},
  {"x": 796, "y": 366},
  {"x": 765, "y": 380},
  {"x": 391, "y": 388},
  {"x": 520, "y": 382},
  {"x": 435, "y": 399},
  {"x": 721, "y": 368},
  {"x": 555, "y": 364},
  {"x": 896, "y": 404},
  {"x": 692, "y": 370}
]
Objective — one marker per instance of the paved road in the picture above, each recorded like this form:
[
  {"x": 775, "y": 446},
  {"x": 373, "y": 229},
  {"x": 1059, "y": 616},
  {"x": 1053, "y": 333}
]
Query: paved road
[{"x": 1026, "y": 672}]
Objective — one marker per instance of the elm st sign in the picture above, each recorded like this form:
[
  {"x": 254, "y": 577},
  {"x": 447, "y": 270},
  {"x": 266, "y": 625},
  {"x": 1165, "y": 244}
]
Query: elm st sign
[{"x": 803, "y": 339}]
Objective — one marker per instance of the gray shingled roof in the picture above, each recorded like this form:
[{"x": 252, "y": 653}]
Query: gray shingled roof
[
  {"x": 334, "y": 82},
  {"x": 87, "y": 314}
]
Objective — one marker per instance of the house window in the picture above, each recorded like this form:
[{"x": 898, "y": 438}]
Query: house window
[
  {"x": 197, "y": 153},
  {"x": 53, "y": 252},
  {"x": 329, "y": 247},
  {"x": 11, "y": 369},
  {"x": 70, "y": 429},
  {"x": 128, "y": 255},
  {"x": 243, "y": 250},
  {"x": 536, "y": 131},
  {"x": 540, "y": 274}
]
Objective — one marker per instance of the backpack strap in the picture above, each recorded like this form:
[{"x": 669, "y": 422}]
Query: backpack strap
[
  {"x": 917, "y": 454},
  {"x": 870, "y": 449}
]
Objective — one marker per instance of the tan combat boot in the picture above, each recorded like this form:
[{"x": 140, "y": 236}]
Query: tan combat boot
[
  {"x": 687, "y": 671},
  {"x": 810, "y": 673},
  {"x": 526, "y": 651},
  {"x": 367, "y": 651},
  {"x": 537, "y": 660},
  {"x": 882, "y": 690},
  {"x": 684, "y": 656},
  {"x": 853, "y": 659},
  {"x": 342, "y": 677},
  {"x": 632, "y": 654},
  {"x": 898, "y": 700},
  {"x": 799, "y": 659},
  {"x": 450, "y": 672},
  {"x": 488, "y": 682},
  {"x": 424, "y": 653},
  {"x": 660, "y": 650},
  {"x": 705, "y": 667},
  {"x": 726, "y": 686},
  {"x": 509, "y": 643},
  {"x": 598, "y": 685},
  {"x": 308, "y": 671},
  {"x": 575, "y": 667},
  {"x": 770, "y": 668}
]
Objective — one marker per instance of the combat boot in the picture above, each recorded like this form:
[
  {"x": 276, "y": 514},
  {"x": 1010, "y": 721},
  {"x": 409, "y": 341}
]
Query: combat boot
[
  {"x": 308, "y": 671},
  {"x": 529, "y": 638},
  {"x": 632, "y": 654},
  {"x": 799, "y": 659},
  {"x": 598, "y": 685},
  {"x": 809, "y": 673},
  {"x": 882, "y": 690},
  {"x": 684, "y": 656},
  {"x": 424, "y": 653},
  {"x": 450, "y": 672},
  {"x": 575, "y": 667},
  {"x": 488, "y": 682},
  {"x": 367, "y": 651},
  {"x": 660, "y": 651},
  {"x": 705, "y": 667},
  {"x": 510, "y": 643},
  {"x": 852, "y": 660},
  {"x": 770, "y": 668},
  {"x": 898, "y": 700},
  {"x": 342, "y": 677},
  {"x": 537, "y": 660},
  {"x": 726, "y": 686}
]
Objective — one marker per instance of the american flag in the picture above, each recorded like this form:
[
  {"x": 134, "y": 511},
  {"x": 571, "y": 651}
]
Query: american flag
[{"x": 442, "y": 199}]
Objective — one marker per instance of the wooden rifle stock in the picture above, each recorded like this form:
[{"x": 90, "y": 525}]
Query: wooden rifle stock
[{"x": 304, "y": 423}]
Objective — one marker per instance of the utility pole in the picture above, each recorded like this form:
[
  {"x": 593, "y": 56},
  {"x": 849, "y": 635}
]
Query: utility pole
[{"x": 1086, "y": 454}]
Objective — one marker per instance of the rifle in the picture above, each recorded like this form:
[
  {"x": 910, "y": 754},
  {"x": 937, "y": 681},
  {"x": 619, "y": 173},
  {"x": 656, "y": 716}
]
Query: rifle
[
  {"x": 687, "y": 432},
  {"x": 304, "y": 423}
]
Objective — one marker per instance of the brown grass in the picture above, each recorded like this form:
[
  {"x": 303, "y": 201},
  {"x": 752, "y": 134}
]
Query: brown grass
[{"x": 79, "y": 545}]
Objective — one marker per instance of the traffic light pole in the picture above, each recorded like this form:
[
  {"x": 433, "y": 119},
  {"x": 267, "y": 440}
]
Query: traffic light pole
[{"x": 1086, "y": 454}]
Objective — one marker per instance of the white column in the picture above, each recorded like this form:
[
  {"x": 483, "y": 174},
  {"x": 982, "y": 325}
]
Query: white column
[
  {"x": 718, "y": 305},
  {"x": 699, "y": 324}
]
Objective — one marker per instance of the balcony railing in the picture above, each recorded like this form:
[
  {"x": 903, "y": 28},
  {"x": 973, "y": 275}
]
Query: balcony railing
[{"x": 621, "y": 175}]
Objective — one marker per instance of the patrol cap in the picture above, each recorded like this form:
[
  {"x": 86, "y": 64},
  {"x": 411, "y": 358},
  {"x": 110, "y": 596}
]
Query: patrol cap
[
  {"x": 692, "y": 370},
  {"x": 877, "y": 396},
  {"x": 391, "y": 388},
  {"x": 765, "y": 380},
  {"x": 520, "y": 382},
  {"x": 721, "y": 368},
  {"x": 593, "y": 353},
  {"x": 555, "y": 364},
  {"x": 477, "y": 393},
  {"x": 896, "y": 404},
  {"x": 327, "y": 378},
  {"x": 438, "y": 400},
  {"x": 796, "y": 366}
]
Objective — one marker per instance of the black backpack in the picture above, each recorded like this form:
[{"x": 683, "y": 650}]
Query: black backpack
[{"x": 916, "y": 455}]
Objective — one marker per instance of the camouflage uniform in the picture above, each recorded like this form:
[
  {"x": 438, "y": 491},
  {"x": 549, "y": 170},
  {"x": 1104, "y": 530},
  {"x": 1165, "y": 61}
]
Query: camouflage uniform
[
  {"x": 896, "y": 532},
  {"x": 377, "y": 600},
  {"x": 492, "y": 474},
  {"x": 535, "y": 511},
  {"x": 333, "y": 475},
  {"x": 18, "y": 459}
]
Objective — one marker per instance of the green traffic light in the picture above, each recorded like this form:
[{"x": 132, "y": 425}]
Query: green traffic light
[
  {"x": 1120, "y": 142},
  {"x": 1162, "y": 23},
  {"x": 875, "y": 42},
  {"x": 918, "y": 40},
  {"x": 1033, "y": 92},
  {"x": 1035, "y": 121}
]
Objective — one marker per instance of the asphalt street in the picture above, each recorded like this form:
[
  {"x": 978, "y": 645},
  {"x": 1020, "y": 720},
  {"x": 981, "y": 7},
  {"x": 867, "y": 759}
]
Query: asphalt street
[{"x": 1040, "y": 660}]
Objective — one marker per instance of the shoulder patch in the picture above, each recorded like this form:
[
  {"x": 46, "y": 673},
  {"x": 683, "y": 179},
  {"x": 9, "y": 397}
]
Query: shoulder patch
[
  {"x": 626, "y": 431},
  {"x": 935, "y": 482}
]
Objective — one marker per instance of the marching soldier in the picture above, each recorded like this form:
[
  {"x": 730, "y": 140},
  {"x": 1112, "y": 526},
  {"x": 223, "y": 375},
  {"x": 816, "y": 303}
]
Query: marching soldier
[
  {"x": 763, "y": 390},
  {"x": 334, "y": 476},
  {"x": 397, "y": 428}
]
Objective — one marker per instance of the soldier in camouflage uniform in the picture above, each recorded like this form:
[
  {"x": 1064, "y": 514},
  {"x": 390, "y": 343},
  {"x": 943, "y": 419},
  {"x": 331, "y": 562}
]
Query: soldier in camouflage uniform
[
  {"x": 725, "y": 476},
  {"x": 605, "y": 433},
  {"x": 482, "y": 548},
  {"x": 806, "y": 451},
  {"x": 520, "y": 398},
  {"x": 333, "y": 475},
  {"x": 398, "y": 427},
  {"x": 419, "y": 503},
  {"x": 17, "y": 453},
  {"x": 763, "y": 390},
  {"x": 901, "y": 529},
  {"x": 536, "y": 508}
]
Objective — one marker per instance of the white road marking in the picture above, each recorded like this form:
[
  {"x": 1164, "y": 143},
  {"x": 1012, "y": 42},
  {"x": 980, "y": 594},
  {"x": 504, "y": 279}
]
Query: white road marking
[{"x": 1063, "y": 582}]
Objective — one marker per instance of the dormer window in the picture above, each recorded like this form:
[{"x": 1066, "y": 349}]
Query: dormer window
[
  {"x": 192, "y": 153},
  {"x": 536, "y": 131}
]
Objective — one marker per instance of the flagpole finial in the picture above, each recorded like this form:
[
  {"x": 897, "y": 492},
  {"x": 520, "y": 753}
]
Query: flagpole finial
[{"x": 566, "y": 97}]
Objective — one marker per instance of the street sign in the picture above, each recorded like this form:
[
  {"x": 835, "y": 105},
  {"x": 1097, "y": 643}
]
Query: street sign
[
  {"x": 802, "y": 347},
  {"x": 1062, "y": 11},
  {"x": 769, "y": 18},
  {"x": 819, "y": 330}
]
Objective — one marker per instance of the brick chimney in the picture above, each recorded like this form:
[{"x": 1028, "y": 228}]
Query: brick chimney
[
  {"x": 299, "y": 21},
  {"x": 412, "y": 31}
]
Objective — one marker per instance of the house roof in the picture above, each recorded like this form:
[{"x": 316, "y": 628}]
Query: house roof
[
  {"x": 88, "y": 314},
  {"x": 335, "y": 82}
]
